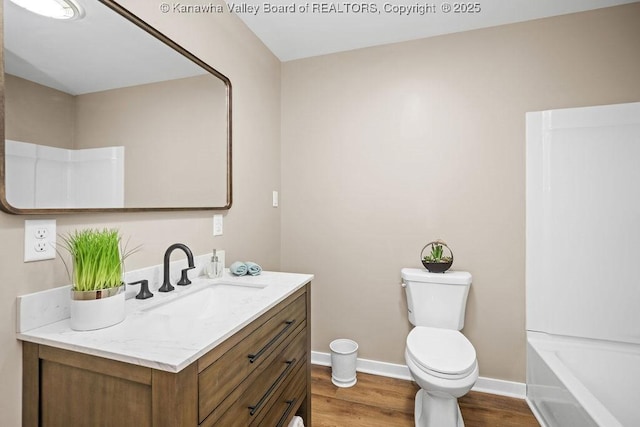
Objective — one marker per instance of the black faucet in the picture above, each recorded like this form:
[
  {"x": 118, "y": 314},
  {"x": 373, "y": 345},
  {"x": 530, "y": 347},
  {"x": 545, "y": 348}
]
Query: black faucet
[{"x": 184, "y": 280}]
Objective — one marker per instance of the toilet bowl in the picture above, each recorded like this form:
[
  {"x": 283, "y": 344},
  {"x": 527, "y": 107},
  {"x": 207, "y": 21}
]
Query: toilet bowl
[
  {"x": 443, "y": 364},
  {"x": 440, "y": 358}
]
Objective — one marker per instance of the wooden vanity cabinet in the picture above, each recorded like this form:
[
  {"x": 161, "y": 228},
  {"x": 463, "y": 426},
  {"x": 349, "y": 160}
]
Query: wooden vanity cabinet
[{"x": 260, "y": 376}]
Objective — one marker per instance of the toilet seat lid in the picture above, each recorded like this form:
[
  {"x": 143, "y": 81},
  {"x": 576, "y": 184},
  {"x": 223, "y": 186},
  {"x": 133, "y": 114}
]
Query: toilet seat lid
[{"x": 444, "y": 351}]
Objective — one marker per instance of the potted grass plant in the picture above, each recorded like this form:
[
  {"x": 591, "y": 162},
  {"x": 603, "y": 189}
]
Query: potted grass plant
[
  {"x": 97, "y": 296},
  {"x": 436, "y": 261}
]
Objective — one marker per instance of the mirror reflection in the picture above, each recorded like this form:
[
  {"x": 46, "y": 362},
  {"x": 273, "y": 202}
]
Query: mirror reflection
[{"x": 100, "y": 114}]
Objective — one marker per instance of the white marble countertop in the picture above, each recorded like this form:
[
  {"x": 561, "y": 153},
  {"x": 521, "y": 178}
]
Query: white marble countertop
[{"x": 152, "y": 336}]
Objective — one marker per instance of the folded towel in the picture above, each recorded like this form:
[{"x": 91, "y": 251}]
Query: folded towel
[
  {"x": 296, "y": 422},
  {"x": 253, "y": 268},
  {"x": 238, "y": 268}
]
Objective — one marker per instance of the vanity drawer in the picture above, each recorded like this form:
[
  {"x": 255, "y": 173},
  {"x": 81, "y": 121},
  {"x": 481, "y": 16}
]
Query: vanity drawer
[
  {"x": 283, "y": 407},
  {"x": 254, "y": 402},
  {"x": 218, "y": 383}
]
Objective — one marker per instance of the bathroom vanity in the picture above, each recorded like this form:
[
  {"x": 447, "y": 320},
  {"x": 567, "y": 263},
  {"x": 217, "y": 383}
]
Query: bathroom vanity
[{"x": 237, "y": 354}]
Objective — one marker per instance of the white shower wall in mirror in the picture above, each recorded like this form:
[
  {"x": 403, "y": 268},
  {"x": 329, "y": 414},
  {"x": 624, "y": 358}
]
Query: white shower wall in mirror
[
  {"x": 583, "y": 222},
  {"x": 42, "y": 176}
]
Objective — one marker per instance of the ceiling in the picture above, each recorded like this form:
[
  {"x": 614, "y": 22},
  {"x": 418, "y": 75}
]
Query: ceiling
[
  {"x": 101, "y": 51},
  {"x": 328, "y": 27}
]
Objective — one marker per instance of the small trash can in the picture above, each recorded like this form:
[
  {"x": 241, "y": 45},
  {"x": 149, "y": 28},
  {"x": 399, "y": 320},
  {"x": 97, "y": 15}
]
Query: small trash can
[{"x": 344, "y": 354}]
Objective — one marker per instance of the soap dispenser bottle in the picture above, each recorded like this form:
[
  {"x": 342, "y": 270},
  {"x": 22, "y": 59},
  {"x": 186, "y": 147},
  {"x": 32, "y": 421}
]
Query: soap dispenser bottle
[{"x": 214, "y": 268}]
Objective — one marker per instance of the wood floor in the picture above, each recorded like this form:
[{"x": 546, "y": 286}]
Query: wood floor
[{"x": 386, "y": 402}]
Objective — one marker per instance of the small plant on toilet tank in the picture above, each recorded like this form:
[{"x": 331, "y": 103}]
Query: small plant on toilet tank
[{"x": 436, "y": 261}]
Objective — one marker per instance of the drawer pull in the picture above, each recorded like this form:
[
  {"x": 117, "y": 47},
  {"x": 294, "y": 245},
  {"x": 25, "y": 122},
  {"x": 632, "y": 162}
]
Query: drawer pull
[
  {"x": 254, "y": 408},
  {"x": 291, "y": 404},
  {"x": 254, "y": 357}
]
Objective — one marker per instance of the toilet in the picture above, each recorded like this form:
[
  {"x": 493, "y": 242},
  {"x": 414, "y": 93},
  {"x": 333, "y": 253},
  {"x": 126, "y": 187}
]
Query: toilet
[{"x": 441, "y": 360}]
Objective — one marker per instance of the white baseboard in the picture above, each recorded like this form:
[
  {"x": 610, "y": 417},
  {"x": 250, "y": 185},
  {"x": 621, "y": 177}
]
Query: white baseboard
[
  {"x": 392, "y": 370},
  {"x": 367, "y": 366},
  {"x": 501, "y": 387}
]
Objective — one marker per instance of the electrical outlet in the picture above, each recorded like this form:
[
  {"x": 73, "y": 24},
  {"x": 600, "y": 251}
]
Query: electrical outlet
[
  {"x": 39, "y": 240},
  {"x": 41, "y": 233}
]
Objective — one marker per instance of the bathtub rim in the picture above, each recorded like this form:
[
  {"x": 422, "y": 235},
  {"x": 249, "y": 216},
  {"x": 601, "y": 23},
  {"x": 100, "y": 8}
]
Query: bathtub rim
[{"x": 546, "y": 345}]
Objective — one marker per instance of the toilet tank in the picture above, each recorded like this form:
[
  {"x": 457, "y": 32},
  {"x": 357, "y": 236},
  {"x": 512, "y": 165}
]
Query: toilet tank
[{"x": 438, "y": 300}]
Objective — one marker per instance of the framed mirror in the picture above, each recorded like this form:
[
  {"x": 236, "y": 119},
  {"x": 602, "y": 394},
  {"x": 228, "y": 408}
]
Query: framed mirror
[{"x": 104, "y": 113}]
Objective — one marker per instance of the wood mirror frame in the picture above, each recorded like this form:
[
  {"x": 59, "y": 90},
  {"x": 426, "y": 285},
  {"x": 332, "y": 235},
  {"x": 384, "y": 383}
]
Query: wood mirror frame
[{"x": 142, "y": 25}]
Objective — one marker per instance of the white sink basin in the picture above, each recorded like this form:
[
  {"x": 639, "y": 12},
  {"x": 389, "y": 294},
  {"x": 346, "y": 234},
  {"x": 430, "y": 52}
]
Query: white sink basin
[{"x": 215, "y": 299}]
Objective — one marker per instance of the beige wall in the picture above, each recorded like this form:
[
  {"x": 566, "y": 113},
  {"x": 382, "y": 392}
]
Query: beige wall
[
  {"x": 387, "y": 148},
  {"x": 38, "y": 114},
  {"x": 186, "y": 117},
  {"x": 251, "y": 227}
]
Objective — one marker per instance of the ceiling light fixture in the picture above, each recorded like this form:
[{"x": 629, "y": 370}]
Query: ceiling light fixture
[{"x": 56, "y": 9}]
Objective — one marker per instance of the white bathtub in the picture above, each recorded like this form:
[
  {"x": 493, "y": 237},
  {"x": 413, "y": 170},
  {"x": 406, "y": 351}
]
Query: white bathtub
[{"x": 583, "y": 382}]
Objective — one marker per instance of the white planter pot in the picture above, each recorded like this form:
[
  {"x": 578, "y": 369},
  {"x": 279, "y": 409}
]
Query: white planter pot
[{"x": 97, "y": 309}]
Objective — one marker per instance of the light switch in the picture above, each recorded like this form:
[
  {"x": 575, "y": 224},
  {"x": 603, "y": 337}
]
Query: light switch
[
  {"x": 217, "y": 225},
  {"x": 275, "y": 199}
]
